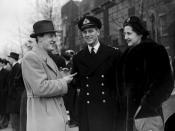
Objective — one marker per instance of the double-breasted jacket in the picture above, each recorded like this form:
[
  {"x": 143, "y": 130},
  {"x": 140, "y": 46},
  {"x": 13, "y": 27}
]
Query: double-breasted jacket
[{"x": 97, "y": 80}]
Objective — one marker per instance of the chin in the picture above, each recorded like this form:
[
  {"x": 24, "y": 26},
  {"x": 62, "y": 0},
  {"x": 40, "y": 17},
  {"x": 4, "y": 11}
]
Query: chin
[
  {"x": 130, "y": 44},
  {"x": 89, "y": 42}
]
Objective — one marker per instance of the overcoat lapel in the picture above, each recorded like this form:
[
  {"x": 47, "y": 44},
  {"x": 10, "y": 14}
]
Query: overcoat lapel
[
  {"x": 93, "y": 62},
  {"x": 51, "y": 65},
  {"x": 48, "y": 61}
]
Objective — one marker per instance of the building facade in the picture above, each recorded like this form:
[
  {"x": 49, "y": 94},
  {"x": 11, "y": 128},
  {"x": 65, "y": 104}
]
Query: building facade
[
  {"x": 158, "y": 15},
  {"x": 69, "y": 13}
]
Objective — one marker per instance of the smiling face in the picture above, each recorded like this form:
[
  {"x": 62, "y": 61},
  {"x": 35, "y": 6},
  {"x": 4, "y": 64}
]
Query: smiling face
[
  {"x": 47, "y": 41},
  {"x": 131, "y": 37},
  {"x": 90, "y": 36}
]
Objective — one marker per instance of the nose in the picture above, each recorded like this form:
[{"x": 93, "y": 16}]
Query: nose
[
  {"x": 125, "y": 36},
  {"x": 86, "y": 34},
  {"x": 53, "y": 38}
]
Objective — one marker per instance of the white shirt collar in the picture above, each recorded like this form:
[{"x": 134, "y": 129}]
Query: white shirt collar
[
  {"x": 14, "y": 63},
  {"x": 96, "y": 47}
]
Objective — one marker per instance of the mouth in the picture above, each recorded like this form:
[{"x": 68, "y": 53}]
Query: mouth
[
  {"x": 128, "y": 41},
  {"x": 52, "y": 42}
]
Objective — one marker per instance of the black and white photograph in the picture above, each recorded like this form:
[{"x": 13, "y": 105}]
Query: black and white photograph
[{"x": 87, "y": 65}]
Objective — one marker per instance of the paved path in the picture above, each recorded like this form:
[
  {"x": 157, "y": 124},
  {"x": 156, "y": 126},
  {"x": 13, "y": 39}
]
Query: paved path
[{"x": 10, "y": 129}]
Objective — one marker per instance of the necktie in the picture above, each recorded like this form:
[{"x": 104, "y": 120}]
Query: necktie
[{"x": 92, "y": 51}]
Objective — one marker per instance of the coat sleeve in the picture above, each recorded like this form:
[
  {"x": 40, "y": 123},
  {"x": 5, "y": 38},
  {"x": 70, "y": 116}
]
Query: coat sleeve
[
  {"x": 160, "y": 78},
  {"x": 75, "y": 83},
  {"x": 35, "y": 77}
]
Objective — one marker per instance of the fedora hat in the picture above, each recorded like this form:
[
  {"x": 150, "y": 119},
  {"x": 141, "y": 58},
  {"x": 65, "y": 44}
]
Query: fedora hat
[
  {"x": 41, "y": 27},
  {"x": 14, "y": 55}
]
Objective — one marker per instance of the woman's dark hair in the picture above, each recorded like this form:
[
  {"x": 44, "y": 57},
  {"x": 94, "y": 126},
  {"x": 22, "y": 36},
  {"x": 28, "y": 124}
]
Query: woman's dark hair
[{"x": 137, "y": 26}]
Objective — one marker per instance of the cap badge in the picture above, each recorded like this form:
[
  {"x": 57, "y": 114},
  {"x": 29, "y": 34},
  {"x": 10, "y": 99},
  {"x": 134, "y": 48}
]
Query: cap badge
[
  {"x": 86, "y": 21},
  {"x": 128, "y": 20}
]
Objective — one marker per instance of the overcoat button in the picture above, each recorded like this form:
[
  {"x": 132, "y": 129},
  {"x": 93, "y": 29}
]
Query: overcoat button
[
  {"x": 87, "y": 85},
  {"x": 87, "y": 102},
  {"x": 104, "y": 101},
  {"x": 102, "y": 92},
  {"x": 102, "y": 84},
  {"x": 87, "y": 93},
  {"x": 102, "y": 76}
]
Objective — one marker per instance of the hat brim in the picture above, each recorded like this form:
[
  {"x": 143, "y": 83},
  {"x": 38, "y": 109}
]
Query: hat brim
[
  {"x": 89, "y": 26},
  {"x": 34, "y": 35},
  {"x": 13, "y": 57}
]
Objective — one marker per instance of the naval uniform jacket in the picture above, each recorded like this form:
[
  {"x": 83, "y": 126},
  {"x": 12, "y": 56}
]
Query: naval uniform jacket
[
  {"x": 147, "y": 78},
  {"x": 96, "y": 79}
]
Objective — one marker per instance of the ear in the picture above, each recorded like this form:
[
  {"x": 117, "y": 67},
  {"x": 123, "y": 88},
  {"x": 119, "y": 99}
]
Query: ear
[{"x": 98, "y": 31}]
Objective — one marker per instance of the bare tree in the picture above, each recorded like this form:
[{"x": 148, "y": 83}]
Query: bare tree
[{"x": 49, "y": 9}]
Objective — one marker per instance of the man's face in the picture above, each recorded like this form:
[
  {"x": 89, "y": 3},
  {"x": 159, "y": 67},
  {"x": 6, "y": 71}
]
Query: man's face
[
  {"x": 8, "y": 66},
  {"x": 47, "y": 41},
  {"x": 90, "y": 35},
  {"x": 131, "y": 37}
]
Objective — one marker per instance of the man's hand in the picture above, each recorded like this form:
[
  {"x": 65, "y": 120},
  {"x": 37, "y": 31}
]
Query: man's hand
[{"x": 69, "y": 78}]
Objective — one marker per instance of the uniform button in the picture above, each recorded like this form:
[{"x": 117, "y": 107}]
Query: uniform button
[
  {"x": 87, "y": 85},
  {"x": 87, "y": 77},
  {"x": 102, "y": 92},
  {"x": 102, "y": 84},
  {"x": 87, "y": 102},
  {"x": 104, "y": 101},
  {"x": 102, "y": 76},
  {"x": 87, "y": 93}
]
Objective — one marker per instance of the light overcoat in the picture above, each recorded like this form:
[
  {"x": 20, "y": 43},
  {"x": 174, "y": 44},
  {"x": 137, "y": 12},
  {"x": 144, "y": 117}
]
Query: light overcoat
[{"x": 45, "y": 88}]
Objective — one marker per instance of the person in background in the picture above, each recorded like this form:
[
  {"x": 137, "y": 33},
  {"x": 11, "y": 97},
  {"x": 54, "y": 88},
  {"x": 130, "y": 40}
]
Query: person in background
[
  {"x": 44, "y": 83},
  {"x": 15, "y": 89},
  {"x": 70, "y": 98},
  {"x": 57, "y": 58},
  {"x": 146, "y": 77},
  {"x": 96, "y": 67},
  {"x": 4, "y": 116},
  {"x": 68, "y": 55}
]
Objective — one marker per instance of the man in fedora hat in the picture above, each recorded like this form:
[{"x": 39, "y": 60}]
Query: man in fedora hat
[
  {"x": 15, "y": 89},
  {"x": 96, "y": 67},
  {"x": 44, "y": 83},
  {"x": 14, "y": 55}
]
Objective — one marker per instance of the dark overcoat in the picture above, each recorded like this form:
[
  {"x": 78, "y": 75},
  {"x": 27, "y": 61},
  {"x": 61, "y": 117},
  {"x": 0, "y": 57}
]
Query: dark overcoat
[
  {"x": 3, "y": 89},
  {"x": 96, "y": 80},
  {"x": 147, "y": 78},
  {"x": 15, "y": 89}
]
